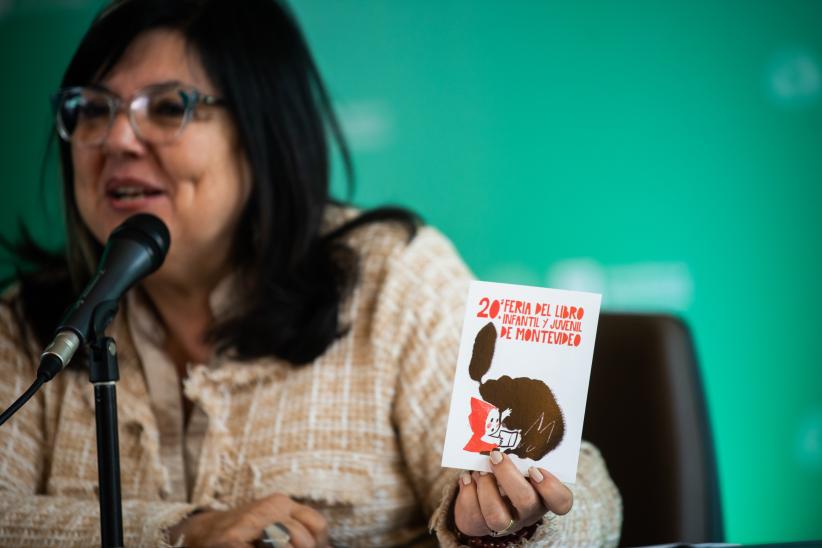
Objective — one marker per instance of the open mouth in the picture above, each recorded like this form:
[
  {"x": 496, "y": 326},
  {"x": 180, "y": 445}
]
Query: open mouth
[{"x": 132, "y": 193}]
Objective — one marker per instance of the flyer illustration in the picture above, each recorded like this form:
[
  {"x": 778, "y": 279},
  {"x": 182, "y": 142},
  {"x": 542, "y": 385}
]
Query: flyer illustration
[{"x": 522, "y": 378}]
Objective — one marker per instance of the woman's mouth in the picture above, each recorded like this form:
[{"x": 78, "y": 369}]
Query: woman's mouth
[{"x": 131, "y": 194}]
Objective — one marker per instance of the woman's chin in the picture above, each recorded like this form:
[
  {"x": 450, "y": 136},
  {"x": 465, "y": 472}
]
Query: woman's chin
[{"x": 117, "y": 211}]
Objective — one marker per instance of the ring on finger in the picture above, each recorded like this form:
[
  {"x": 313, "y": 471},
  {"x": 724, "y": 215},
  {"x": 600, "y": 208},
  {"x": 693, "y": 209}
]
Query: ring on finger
[
  {"x": 503, "y": 532},
  {"x": 276, "y": 535}
]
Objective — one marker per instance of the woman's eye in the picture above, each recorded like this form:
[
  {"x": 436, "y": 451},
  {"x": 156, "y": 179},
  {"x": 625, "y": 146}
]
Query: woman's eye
[
  {"x": 92, "y": 110},
  {"x": 167, "y": 108}
]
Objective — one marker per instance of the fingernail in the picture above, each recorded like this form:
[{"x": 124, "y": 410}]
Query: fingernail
[
  {"x": 496, "y": 457},
  {"x": 466, "y": 478},
  {"x": 483, "y": 473},
  {"x": 535, "y": 474}
]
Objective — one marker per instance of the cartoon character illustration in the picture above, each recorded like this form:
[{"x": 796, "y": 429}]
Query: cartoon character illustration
[
  {"x": 532, "y": 423},
  {"x": 487, "y": 425}
]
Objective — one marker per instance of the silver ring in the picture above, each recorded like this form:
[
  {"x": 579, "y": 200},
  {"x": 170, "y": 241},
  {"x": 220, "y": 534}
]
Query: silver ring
[{"x": 276, "y": 535}]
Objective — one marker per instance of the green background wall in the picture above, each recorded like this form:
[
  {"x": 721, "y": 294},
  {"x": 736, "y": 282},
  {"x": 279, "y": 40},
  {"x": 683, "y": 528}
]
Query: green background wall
[{"x": 667, "y": 154}]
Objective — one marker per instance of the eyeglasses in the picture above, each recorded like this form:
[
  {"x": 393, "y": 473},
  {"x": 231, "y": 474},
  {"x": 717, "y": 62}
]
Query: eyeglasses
[{"x": 158, "y": 114}]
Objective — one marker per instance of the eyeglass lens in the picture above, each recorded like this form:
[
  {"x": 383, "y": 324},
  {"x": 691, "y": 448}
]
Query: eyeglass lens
[{"x": 85, "y": 116}]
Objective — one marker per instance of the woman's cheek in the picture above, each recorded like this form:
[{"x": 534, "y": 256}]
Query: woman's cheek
[
  {"x": 87, "y": 166},
  {"x": 87, "y": 205}
]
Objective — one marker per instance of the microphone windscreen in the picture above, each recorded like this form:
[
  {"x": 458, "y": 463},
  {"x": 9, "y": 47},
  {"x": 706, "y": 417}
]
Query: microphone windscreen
[{"x": 149, "y": 230}]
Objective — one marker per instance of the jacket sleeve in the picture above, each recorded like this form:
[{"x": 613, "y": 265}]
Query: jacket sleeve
[
  {"x": 29, "y": 516},
  {"x": 426, "y": 291}
]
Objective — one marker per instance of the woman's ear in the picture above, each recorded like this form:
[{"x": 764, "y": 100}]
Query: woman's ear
[{"x": 483, "y": 352}]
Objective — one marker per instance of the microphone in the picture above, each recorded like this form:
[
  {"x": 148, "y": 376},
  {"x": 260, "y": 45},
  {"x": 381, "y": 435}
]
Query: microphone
[{"x": 134, "y": 250}]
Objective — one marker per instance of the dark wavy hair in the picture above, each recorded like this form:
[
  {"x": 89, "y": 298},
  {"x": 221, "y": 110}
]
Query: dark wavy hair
[{"x": 293, "y": 276}]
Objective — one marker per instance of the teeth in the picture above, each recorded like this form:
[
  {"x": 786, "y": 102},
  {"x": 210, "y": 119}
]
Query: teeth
[{"x": 130, "y": 193}]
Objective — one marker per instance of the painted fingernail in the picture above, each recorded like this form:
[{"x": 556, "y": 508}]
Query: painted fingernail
[
  {"x": 466, "y": 478},
  {"x": 496, "y": 457},
  {"x": 535, "y": 474}
]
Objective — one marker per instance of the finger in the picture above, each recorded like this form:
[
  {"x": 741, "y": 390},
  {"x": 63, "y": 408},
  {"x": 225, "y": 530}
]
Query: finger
[
  {"x": 467, "y": 513},
  {"x": 278, "y": 508},
  {"x": 269, "y": 508},
  {"x": 556, "y": 496},
  {"x": 520, "y": 492},
  {"x": 495, "y": 511},
  {"x": 301, "y": 537},
  {"x": 313, "y": 521}
]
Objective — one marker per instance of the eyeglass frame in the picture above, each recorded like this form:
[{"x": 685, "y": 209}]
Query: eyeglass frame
[{"x": 117, "y": 104}]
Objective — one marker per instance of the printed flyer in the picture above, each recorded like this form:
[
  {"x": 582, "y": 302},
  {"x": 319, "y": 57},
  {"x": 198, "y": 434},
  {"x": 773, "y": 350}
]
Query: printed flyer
[{"x": 522, "y": 378}]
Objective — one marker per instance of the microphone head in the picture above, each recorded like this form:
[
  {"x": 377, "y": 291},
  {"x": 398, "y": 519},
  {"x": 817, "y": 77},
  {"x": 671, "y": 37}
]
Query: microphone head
[
  {"x": 134, "y": 250},
  {"x": 148, "y": 230}
]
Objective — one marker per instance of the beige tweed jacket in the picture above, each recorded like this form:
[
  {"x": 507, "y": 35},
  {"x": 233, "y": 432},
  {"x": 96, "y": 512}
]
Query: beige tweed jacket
[{"x": 357, "y": 434}]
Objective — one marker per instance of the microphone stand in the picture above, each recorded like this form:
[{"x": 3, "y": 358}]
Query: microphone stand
[{"x": 103, "y": 374}]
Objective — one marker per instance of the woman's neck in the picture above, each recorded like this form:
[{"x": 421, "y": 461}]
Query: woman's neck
[{"x": 186, "y": 315}]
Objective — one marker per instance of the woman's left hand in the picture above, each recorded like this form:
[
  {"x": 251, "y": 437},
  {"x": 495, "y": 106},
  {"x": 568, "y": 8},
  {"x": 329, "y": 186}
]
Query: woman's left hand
[{"x": 504, "y": 501}]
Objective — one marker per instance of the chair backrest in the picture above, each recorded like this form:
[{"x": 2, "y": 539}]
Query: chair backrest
[{"x": 646, "y": 413}]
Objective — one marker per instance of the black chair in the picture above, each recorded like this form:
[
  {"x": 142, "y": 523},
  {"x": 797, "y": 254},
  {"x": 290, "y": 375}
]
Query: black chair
[{"x": 646, "y": 413}]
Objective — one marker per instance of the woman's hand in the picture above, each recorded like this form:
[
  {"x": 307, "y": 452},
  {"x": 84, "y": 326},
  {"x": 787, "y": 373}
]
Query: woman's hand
[
  {"x": 243, "y": 525},
  {"x": 505, "y": 501}
]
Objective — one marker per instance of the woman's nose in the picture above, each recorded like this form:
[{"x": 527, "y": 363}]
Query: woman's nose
[{"x": 122, "y": 138}]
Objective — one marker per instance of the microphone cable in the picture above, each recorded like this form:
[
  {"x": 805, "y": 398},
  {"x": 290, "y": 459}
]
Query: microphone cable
[
  {"x": 21, "y": 401},
  {"x": 50, "y": 365}
]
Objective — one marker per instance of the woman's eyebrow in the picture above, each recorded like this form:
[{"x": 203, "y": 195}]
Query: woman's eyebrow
[
  {"x": 167, "y": 83},
  {"x": 161, "y": 83}
]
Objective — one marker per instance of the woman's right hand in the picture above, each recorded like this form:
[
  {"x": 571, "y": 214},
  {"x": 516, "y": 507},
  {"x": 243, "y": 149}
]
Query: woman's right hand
[{"x": 243, "y": 526}]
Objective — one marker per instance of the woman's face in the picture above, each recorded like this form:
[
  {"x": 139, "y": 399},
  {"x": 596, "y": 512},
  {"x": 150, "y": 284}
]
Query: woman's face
[{"x": 198, "y": 184}]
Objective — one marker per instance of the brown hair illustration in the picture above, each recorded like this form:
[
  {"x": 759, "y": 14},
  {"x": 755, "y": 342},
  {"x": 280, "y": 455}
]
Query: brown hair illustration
[
  {"x": 483, "y": 353},
  {"x": 534, "y": 410}
]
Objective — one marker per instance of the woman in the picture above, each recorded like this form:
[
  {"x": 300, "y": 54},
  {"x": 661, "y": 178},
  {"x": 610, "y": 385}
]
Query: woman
[{"x": 289, "y": 366}]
